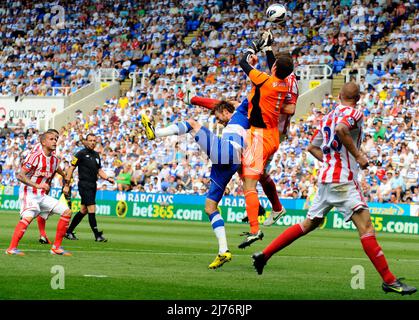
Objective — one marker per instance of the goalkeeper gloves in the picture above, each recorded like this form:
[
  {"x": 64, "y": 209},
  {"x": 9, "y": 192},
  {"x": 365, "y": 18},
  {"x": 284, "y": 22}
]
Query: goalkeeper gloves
[
  {"x": 255, "y": 47},
  {"x": 267, "y": 40},
  {"x": 264, "y": 43}
]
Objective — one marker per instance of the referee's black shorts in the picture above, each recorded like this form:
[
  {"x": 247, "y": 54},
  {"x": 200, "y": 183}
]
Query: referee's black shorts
[{"x": 87, "y": 191}]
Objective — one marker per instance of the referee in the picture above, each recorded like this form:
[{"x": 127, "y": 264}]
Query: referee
[{"x": 90, "y": 167}]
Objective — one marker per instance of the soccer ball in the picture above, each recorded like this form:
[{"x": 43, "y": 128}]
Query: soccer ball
[
  {"x": 276, "y": 13},
  {"x": 121, "y": 209}
]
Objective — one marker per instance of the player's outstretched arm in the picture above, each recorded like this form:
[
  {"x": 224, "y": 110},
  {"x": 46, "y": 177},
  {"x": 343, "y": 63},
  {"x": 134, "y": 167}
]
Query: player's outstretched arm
[
  {"x": 267, "y": 41},
  {"x": 315, "y": 145},
  {"x": 343, "y": 133},
  {"x": 104, "y": 176},
  {"x": 249, "y": 58},
  {"x": 316, "y": 152},
  {"x": 244, "y": 62}
]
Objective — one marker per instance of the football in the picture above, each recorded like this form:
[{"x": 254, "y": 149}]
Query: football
[
  {"x": 121, "y": 209},
  {"x": 276, "y": 13}
]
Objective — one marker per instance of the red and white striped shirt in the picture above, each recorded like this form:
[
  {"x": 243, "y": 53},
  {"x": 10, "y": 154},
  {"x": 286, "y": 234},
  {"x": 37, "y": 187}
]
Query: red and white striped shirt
[
  {"x": 290, "y": 98},
  {"x": 41, "y": 169},
  {"x": 339, "y": 165},
  {"x": 37, "y": 148}
]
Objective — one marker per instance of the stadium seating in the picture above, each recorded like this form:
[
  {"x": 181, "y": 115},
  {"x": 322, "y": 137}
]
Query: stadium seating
[{"x": 129, "y": 38}]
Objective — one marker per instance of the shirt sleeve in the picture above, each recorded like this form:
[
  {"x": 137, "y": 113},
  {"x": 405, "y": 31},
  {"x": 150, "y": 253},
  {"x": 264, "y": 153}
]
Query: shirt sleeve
[
  {"x": 292, "y": 95},
  {"x": 30, "y": 163},
  {"x": 243, "y": 107},
  {"x": 352, "y": 121},
  {"x": 100, "y": 162},
  {"x": 75, "y": 160},
  {"x": 317, "y": 138},
  {"x": 258, "y": 77}
]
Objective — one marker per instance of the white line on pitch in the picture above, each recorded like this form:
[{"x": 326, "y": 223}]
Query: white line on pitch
[
  {"x": 145, "y": 251},
  {"x": 95, "y": 276}
]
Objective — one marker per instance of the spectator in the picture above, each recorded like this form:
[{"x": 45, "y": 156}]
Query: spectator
[{"x": 123, "y": 179}]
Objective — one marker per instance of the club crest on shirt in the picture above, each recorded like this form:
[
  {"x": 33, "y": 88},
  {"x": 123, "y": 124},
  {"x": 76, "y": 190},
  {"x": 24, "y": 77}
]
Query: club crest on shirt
[{"x": 351, "y": 121}]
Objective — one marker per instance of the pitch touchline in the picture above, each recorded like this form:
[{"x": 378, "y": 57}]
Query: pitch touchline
[{"x": 210, "y": 254}]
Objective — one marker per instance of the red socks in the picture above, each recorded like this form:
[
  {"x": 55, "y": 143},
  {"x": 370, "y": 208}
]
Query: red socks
[
  {"x": 41, "y": 226},
  {"x": 204, "y": 102},
  {"x": 376, "y": 255},
  {"x": 369, "y": 243},
  {"x": 284, "y": 239},
  {"x": 252, "y": 209},
  {"x": 270, "y": 190},
  {"x": 18, "y": 234},
  {"x": 61, "y": 230}
]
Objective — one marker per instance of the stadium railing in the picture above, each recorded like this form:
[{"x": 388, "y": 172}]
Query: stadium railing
[
  {"x": 354, "y": 72},
  {"x": 139, "y": 74},
  {"x": 106, "y": 75},
  {"x": 314, "y": 71}
]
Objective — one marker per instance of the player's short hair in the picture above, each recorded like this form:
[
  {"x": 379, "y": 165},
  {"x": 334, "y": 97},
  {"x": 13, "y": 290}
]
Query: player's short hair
[
  {"x": 90, "y": 135},
  {"x": 43, "y": 136},
  {"x": 223, "y": 105},
  {"x": 53, "y": 131},
  {"x": 284, "y": 65}
]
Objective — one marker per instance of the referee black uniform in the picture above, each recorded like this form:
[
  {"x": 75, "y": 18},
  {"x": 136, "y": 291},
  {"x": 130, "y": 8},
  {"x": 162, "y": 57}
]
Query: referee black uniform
[
  {"x": 90, "y": 167},
  {"x": 88, "y": 162}
]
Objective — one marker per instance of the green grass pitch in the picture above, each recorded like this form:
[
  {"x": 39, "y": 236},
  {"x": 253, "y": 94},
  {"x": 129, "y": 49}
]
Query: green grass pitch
[{"x": 157, "y": 259}]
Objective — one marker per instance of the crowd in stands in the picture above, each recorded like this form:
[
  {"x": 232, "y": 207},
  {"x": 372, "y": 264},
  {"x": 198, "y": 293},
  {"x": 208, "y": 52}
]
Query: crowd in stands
[
  {"x": 175, "y": 164},
  {"x": 47, "y": 49}
]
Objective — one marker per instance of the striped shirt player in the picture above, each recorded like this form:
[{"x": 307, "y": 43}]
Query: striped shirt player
[
  {"x": 40, "y": 169},
  {"x": 35, "y": 176},
  {"x": 336, "y": 145},
  {"x": 337, "y": 177}
]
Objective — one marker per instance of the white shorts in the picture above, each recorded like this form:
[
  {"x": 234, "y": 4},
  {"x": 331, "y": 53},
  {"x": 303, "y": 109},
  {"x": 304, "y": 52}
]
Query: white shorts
[
  {"x": 346, "y": 197},
  {"x": 32, "y": 206}
]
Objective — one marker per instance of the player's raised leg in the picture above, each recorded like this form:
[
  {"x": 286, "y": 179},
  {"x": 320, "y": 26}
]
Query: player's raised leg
[
  {"x": 283, "y": 240},
  {"x": 181, "y": 127},
  {"x": 373, "y": 250}
]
